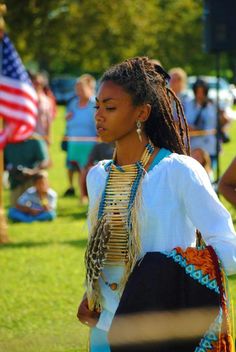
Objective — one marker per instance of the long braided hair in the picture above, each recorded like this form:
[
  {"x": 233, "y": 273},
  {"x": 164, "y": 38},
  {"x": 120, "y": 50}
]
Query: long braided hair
[{"x": 146, "y": 83}]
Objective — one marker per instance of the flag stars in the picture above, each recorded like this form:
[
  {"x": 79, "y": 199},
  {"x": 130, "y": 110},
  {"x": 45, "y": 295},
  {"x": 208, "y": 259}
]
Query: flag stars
[{"x": 12, "y": 66}]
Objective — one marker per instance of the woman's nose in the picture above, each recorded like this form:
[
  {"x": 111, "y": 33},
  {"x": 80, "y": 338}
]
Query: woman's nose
[{"x": 98, "y": 114}]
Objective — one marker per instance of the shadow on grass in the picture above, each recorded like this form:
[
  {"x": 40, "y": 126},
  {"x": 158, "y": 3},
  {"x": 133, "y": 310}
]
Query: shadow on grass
[
  {"x": 75, "y": 215},
  {"x": 17, "y": 245},
  {"x": 76, "y": 243}
]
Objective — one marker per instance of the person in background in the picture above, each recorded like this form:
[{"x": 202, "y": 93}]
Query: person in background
[
  {"x": 80, "y": 125},
  {"x": 47, "y": 90},
  {"x": 201, "y": 114},
  {"x": 37, "y": 203},
  {"x": 204, "y": 159},
  {"x": 178, "y": 81},
  {"x": 101, "y": 151},
  {"x": 44, "y": 118},
  {"x": 227, "y": 184},
  {"x": 23, "y": 160}
]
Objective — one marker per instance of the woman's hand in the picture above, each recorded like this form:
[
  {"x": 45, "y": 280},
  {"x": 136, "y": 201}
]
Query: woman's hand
[{"x": 85, "y": 315}]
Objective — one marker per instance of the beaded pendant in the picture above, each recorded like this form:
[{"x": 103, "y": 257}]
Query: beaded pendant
[{"x": 116, "y": 204}]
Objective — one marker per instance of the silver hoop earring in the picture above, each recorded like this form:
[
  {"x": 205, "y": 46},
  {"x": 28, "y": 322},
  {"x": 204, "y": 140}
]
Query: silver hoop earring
[{"x": 139, "y": 130}]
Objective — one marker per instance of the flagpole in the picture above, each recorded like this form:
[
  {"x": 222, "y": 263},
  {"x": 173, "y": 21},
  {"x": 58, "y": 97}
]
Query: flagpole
[{"x": 3, "y": 223}]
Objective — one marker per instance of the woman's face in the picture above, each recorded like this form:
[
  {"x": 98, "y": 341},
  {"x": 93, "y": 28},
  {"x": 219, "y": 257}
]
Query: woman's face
[
  {"x": 116, "y": 116},
  {"x": 200, "y": 94},
  {"x": 176, "y": 83}
]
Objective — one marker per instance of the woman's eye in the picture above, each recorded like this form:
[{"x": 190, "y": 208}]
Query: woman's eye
[{"x": 96, "y": 107}]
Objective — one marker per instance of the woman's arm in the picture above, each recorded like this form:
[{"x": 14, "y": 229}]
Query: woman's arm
[
  {"x": 208, "y": 214},
  {"x": 227, "y": 184}
]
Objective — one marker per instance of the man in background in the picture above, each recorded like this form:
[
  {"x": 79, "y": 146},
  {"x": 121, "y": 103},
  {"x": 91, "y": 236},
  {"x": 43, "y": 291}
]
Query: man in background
[
  {"x": 23, "y": 160},
  {"x": 178, "y": 81}
]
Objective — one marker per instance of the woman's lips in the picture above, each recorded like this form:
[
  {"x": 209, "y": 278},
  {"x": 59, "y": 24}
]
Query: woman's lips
[{"x": 100, "y": 129}]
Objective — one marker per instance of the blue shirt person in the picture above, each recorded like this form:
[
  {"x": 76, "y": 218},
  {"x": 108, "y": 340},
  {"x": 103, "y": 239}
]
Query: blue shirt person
[
  {"x": 81, "y": 132},
  {"x": 37, "y": 203}
]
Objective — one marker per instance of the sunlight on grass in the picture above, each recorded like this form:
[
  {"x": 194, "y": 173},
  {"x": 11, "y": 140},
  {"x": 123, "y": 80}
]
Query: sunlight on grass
[{"x": 42, "y": 270}]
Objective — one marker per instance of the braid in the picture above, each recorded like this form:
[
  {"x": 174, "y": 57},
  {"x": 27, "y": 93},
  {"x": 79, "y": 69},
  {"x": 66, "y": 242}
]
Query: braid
[
  {"x": 181, "y": 119},
  {"x": 146, "y": 84}
]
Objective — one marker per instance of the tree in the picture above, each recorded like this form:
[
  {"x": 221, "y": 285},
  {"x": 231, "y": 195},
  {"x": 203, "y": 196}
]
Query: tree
[{"x": 75, "y": 36}]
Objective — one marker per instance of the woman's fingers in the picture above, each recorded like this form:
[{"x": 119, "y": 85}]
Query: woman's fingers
[{"x": 86, "y": 316}]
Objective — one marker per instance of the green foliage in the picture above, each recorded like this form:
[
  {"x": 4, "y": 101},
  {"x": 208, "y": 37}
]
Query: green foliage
[
  {"x": 42, "y": 270},
  {"x": 69, "y": 36}
]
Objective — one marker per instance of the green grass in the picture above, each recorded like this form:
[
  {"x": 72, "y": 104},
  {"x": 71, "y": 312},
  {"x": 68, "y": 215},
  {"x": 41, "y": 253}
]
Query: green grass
[
  {"x": 42, "y": 270},
  {"x": 42, "y": 273}
]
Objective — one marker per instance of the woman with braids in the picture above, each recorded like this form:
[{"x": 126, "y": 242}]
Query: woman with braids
[{"x": 149, "y": 197}]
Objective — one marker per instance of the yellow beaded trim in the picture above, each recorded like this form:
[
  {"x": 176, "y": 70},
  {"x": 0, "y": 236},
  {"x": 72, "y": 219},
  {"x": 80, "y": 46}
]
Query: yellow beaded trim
[{"x": 116, "y": 208}]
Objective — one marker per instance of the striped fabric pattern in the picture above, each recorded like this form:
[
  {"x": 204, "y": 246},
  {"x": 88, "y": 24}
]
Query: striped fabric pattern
[{"x": 18, "y": 99}]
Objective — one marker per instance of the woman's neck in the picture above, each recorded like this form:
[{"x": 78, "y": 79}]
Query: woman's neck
[{"x": 129, "y": 150}]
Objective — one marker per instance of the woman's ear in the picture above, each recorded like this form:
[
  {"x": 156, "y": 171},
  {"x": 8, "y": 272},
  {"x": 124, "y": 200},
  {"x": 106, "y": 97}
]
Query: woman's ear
[{"x": 144, "y": 112}]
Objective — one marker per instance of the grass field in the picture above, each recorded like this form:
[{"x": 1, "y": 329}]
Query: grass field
[{"x": 42, "y": 270}]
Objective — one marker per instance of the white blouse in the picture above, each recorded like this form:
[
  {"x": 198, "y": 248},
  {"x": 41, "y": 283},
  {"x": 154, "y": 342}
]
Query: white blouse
[{"x": 177, "y": 198}]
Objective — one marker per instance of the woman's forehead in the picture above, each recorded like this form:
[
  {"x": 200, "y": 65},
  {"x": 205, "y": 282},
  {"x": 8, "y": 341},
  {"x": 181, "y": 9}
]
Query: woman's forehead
[{"x": 109, "y": 90}]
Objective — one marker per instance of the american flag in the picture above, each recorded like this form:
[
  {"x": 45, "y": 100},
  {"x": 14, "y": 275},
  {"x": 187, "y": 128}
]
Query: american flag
[{"x": 18, "y": 99}]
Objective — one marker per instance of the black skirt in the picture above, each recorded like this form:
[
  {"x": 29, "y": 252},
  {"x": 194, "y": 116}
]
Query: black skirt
[{"x": 165, "y": 309}]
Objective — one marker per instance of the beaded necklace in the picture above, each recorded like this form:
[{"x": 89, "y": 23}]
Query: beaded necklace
[
  {"x": 117, "y": 201},
  {"x": 115, "y": 240}
]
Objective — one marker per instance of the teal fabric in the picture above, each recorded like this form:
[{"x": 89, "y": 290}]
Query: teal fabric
[
  {"x": 163, "y": 153},
  {"x": 78, "y": 152},
  {"x": 99, "y": 341},
  {"x": 28, "y": 153}
]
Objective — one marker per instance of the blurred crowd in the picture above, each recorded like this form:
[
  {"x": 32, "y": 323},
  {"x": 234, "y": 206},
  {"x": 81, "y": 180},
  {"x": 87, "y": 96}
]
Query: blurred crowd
[{"x": 32, "y": 199}]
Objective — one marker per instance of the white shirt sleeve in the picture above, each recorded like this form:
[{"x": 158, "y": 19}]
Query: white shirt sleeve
[
  {"x": 208, "y": 214},
  {"x": 52, "y": 197},
  {"x": 24, "y": 198}
]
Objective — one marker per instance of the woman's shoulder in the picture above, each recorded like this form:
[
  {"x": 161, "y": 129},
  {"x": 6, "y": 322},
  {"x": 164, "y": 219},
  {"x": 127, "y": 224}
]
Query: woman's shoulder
[
  {"x": 180, "y": 173},
  {"x": 96, "y": 178},
  {"x": 183, "y": 161},
  {"x": 179, "y": 162},
  {"x": 180, "y": 166},
  {"x": 190, "y": 171}
]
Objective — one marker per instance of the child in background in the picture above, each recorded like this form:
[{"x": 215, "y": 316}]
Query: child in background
[
  {"x": 37, "y": 203},
  {"x": 204, "y": 159}
]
